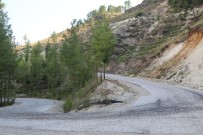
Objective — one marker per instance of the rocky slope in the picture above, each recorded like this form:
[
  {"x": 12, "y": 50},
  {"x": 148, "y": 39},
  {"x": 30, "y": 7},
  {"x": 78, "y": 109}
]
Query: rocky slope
[{"x": 160, "y": 43}]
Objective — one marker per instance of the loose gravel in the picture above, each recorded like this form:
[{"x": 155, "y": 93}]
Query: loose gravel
[{"x": 167, "y": 109}]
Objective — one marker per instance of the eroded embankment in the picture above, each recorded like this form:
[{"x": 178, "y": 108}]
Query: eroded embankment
[
  {"x": 176, "y": 54},
  {"x": 115, "y": 95}
]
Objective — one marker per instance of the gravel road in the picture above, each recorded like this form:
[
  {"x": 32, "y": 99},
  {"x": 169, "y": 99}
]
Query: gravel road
[{"x": 167, "y": 109}]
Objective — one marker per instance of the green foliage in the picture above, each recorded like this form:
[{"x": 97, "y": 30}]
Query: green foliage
[
  {"x": 83, "y": 95},
  {"x": 76, "y": 61},
  {"x": 31, "y": 68},
  {"x": 59, "y": 73},
  {"x": 103, "y": 42},
  {"x": 79, "y": 22},
  {"x": 102, "y": 9},
  {"x": 111, "y": 8},
  {"x": 114, "y": 9},
  {"x": 7, "y": 60},
  {"x": 54, "y": 36},
  {"x": 92, "y": 14},
  {"x": 151, "y": 49},
  {"x": 54, "y": 70},
  {"x": 139, "y": 14},
  {"x": 184, "y": 4},
  {"x": 47, "y": 49},
  {"x": 127, "y": 4},
  {"x": 27, "y": 48},
  {"x": 67, "y": 106},
  {"x": 71, "y": 56},
  {"x": 123, "y": 58},
  {"x": 36, "y": 64},
  {"x": 23, "y": 71},
  {"x": 88, "y": 88}
]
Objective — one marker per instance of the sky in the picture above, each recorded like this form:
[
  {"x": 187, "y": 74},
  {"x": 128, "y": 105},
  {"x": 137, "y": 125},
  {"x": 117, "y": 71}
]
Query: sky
[{"x": 39, "y": 18}]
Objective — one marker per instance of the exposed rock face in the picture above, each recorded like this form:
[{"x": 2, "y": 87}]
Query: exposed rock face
[
  {"x": 160, "y": 43},
  {"x": 186, "y": 66},
  {"x": 141, "y": 39},
  {"x": 134, "y": 31}
]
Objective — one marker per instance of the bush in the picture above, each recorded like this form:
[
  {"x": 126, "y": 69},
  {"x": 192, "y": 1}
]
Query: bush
[
  {"x": 82, "y": 96},
  {"x": 123, "y": 58},
  {"x": 85, "y": 103},
  {"x": 139, "y": 14},
  {"x": 68, "y": 104},
  {"x": 81, "y": 93}
]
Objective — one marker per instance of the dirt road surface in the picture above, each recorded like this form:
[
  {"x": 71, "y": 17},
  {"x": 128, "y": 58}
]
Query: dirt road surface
[{"x": 167, "y": 109}]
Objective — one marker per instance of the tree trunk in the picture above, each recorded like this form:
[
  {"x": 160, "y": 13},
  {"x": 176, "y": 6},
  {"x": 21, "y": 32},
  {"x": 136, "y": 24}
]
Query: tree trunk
[
  {"x": 4, "y": 92},
  {"x": 1, "y": 93},
  {"x": 10, "y": 95},
  {"x": 96, "y": 71},
  {"x": 101, "y": 77},
  {"x": 104, "y": 72}
]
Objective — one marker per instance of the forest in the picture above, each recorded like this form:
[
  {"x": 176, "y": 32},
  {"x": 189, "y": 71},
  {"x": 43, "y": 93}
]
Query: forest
[{"x": 64, "y": 72}]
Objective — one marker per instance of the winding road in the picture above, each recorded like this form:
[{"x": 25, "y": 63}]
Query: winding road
[{"x": 168, "y": 109}]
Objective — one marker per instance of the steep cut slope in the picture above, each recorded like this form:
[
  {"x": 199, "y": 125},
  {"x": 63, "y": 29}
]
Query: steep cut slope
[
  {"x": 182, "y": 50},
  {"x": 160, "y": 44},
  {"x": 190, "y": 71}
]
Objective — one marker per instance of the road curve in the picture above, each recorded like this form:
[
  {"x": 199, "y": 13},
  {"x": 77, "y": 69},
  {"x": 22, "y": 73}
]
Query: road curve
[{"x": 168, "y": 109}]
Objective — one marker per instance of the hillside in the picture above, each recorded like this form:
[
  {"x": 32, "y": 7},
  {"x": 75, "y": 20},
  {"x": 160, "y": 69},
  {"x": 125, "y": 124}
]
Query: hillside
[
  {"x": 160, "y": 43},
  {"x": 155, "y": 41}
]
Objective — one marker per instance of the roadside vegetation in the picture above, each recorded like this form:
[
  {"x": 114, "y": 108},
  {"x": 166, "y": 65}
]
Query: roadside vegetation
[
  {"x": 7, "y": 61},
  {"x": 68, "y": 71},
  {"x": 64, "y": 67}
]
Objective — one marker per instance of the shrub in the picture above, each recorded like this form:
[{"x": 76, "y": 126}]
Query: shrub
[
  {"x": 82, "y": 101},
  {"x": 68, "y": 104},
  {"x": 81, "y": 93},
  {"x": 123, "y": 58},
  {"x": 139, "y": 14}
]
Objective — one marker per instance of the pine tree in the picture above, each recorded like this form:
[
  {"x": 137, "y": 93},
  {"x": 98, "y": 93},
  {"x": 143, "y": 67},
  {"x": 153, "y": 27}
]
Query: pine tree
[
  {"x": 23, "y": 70},
  {"x": 27, "y": 48},
  {"x": 102, "y": 9},
  {"x": 103, "y": 42},
  {"x": 76, "y": 61},
  {"x": 23, "y": 65},
  {"x": 71, "y": 58},
  {"x": 53, "y": 70},
  {"x": 127, "y": 4},
  {"x": 36, "y": 65},
  {"x": 7, "y": 60}
]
